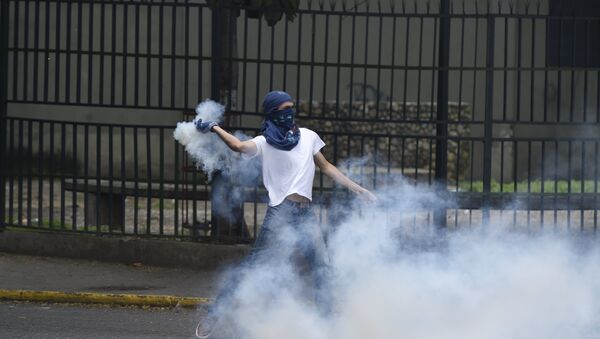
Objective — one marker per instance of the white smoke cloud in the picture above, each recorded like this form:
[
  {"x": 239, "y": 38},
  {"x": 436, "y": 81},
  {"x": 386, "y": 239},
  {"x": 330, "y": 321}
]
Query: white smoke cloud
[
  {"x": 481, "y": 287},
  {"x": 389, "y": 282},
  {"x": 208, "y": 152},
  {"x": 391, "y": 279}
]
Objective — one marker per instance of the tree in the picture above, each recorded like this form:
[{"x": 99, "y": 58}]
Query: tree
[{"x": 271, "y": 10}]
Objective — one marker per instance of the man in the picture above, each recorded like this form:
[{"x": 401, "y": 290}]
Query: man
[{"x": 289, "y": 155}]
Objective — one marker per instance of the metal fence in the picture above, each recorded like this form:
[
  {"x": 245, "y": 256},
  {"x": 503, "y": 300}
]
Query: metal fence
[{"x": 496, "y": 105}]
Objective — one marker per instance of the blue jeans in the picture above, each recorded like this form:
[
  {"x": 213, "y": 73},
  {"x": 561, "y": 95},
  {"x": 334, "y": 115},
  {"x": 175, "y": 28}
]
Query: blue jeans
[{"x": 289, "y": 229}]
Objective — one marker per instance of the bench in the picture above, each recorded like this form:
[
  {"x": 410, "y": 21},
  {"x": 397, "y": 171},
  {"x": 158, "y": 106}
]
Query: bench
[{"x": 105, "y": 199}]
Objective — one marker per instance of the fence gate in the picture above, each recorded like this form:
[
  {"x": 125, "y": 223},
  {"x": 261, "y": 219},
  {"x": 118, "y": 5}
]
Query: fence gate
[{"x": 494, "y": 104}]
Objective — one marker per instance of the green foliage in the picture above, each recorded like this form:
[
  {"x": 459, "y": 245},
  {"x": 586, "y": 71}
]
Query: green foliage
[
  {"x": 56, "y": 225},
  {"x": 535, "y": 186},
  {"x": 272, "y": 10}
]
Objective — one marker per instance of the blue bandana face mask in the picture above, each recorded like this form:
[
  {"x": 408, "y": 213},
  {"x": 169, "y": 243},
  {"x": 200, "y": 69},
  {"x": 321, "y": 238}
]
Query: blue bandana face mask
[
  {"x": 283, "y": 118},
  {"x": 280, "y": 130}
]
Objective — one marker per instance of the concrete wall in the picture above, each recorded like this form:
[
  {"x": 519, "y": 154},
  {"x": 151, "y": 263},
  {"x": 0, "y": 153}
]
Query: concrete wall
[{"x": 124, "y": 250}]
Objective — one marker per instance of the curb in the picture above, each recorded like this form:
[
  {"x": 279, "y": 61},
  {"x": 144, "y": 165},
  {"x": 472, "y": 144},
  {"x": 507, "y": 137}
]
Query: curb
[
  {"x": 102, "y": 298},
  {"x": 123, "y": 249}
]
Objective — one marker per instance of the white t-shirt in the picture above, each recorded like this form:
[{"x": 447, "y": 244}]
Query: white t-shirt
[{"x": 288, "y": 172}]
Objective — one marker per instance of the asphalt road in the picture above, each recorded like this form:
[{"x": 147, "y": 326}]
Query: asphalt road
[{"x": 32, "y": 320}]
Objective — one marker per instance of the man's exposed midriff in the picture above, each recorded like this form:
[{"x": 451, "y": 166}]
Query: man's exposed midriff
[{"x": 297, "y": 198}]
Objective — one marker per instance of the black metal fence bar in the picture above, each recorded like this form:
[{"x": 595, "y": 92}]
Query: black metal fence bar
[
  {"x": 89, "y": 175},
  {"x": 441, "y": 158},
  {"x": 4, "y": 15},
  {"x": 489, "y": 106}
]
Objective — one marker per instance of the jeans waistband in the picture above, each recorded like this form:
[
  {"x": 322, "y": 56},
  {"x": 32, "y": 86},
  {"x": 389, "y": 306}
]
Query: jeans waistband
[{"x": 297, "y": 204}]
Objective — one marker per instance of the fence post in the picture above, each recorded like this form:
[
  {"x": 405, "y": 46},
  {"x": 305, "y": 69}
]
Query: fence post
[
  {"x": 215, "y": 90},
  {"x": 3, "y": 108},
  {"x": 441, "y": 130},
  {"x": 227, "y": 219},
  {"x": 216, "y": 47},
  {"x": 488, "y": 120}
]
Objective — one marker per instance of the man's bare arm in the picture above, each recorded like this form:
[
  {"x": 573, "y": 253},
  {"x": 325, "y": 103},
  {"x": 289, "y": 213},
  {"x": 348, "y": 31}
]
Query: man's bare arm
[
  {"x": 235, "y": 144},
  {"x": 331, "y": 171}
]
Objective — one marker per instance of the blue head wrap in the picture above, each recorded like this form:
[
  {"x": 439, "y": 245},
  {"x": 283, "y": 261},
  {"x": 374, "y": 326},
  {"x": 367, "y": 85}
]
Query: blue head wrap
[
  {"x": 273, "y": 100},
  {"x": 279, "y": 127}
]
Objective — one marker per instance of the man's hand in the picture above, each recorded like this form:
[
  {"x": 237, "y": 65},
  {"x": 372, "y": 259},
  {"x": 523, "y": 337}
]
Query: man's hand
[
  {"x": 366, "y": 196},
  {"x": 331, "y": 171},
  {"x": 206, "y": 126}
]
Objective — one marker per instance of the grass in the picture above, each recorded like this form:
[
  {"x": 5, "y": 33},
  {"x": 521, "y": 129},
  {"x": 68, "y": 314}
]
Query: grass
[
  {"x": 92, "y": 230},
  {"x": 57, "y": 226},
  {"x": 168, "y": 204},
  {"x": 535, "y": 186}
]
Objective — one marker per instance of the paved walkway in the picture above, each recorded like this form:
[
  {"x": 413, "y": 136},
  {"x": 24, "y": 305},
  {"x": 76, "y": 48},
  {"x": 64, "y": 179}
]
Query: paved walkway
[{"x": 21, "y": 272}]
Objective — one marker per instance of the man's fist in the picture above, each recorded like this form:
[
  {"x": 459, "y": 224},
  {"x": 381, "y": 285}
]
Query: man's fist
[{"x": 206, "y": 126}]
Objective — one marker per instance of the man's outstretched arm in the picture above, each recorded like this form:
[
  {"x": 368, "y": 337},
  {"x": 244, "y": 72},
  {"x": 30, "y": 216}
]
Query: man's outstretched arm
[
  {"x": 331, "y": 171},
  {"x": 235, "y": 144}
]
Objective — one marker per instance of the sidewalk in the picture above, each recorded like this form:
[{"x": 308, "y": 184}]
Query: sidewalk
[{"x": 101, "y": 282}]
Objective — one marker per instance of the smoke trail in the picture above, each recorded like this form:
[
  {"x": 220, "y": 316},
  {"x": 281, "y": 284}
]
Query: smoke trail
[
  {"x": 493, "y": 284},
  {"x": 204, "y": 149},
  {"x": 208, "y": 152},
  {"x": 211, "y": 155}
]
